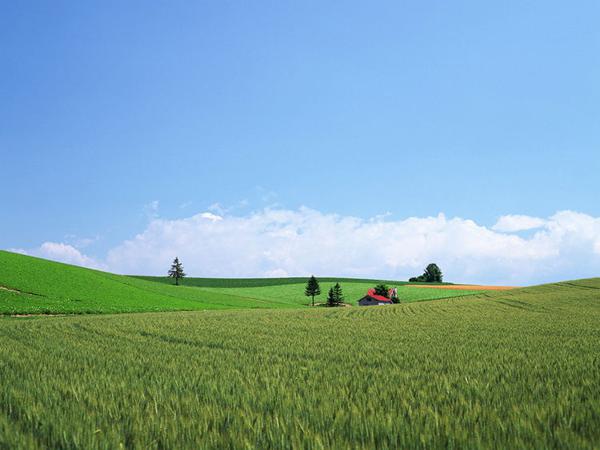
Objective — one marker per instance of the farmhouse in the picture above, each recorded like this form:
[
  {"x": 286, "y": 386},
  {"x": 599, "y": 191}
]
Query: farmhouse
[{"x": 373, "y": 299}]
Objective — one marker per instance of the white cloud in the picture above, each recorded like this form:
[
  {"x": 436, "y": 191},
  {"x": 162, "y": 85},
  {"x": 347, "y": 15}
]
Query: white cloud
[
  {"x": 280, "y": 242},
  {"x": 304, "y": 241},
  {"x": 65, "y": 253},
  {"x": 210, "y": 216},
  {"x": 513, "y": 223}
]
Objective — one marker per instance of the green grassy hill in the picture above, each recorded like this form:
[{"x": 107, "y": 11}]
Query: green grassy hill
[
  {"x": 248, "y": 282},
  {"x": 265, "y": 282},
  {"x": 35, "y": 286},
  {"x": 511, "y": 369}
]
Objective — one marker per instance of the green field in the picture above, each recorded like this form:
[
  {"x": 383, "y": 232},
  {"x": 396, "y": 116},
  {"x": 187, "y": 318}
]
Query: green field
[
  {"x": 248, "y": 365},
  {"x": 36, "y": 286},
  {"x": 251, "y": 282},
  {"x": 515, "y": 369},
  {"x": 353, "y": 291},
  {"x": 263, "y": 282}
]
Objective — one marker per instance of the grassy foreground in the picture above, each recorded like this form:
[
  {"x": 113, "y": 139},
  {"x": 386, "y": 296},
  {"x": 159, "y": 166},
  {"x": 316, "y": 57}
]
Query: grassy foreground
[
  {"x": 514, "y": 369},
  {"x": 37, "y": 286}
]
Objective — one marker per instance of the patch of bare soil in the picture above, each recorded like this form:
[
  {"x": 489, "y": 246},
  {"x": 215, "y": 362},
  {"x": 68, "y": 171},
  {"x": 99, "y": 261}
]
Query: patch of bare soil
[{"x": 462, "y": 287}]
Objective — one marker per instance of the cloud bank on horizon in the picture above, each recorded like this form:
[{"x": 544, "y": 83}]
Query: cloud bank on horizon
[{"x": 517, "y": 250}]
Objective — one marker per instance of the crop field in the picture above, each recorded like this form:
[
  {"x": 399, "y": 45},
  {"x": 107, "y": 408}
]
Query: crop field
[
  {"x": 509, "y": 369},
  {"x": 353, "y": 291},
  {"x": 263, "y": 282},
  {"x": 36, "y": 286}
]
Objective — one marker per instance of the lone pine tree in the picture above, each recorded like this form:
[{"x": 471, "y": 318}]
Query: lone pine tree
[
  {"x": 176, "y": 271},
  {"x": 312, "y": 288}
]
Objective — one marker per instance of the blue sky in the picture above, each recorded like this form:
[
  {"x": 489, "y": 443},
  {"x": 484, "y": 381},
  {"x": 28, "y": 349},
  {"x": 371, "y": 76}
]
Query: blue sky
[{"x": 472, "y": 109}]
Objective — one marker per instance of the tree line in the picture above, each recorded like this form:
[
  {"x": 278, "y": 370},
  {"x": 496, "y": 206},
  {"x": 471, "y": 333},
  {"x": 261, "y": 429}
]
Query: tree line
[{"x": 432, "y": 274}]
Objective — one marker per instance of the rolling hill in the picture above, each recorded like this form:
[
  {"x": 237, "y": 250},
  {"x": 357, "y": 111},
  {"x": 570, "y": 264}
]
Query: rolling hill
[
  {"x": 508, "y": 369},
  {"x": 31, "y": 285},
  {"x": 36, "y": 286}
]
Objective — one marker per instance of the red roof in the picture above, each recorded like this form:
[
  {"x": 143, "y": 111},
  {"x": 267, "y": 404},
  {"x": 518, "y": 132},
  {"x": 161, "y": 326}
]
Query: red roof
[{"x": 381, "y": 298}]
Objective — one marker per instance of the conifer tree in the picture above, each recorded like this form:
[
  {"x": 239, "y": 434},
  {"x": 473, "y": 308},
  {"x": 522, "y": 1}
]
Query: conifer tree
[
  {"x": 331, "y": 298},
  {"x": 338, "y": 294},
  {"x": 312, "y": 288},
  {"x": 335, "y": 297},
  {"x": 176, "y": 271}
]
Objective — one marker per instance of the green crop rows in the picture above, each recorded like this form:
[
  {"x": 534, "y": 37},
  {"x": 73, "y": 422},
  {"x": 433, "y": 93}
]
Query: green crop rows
[
  {"x": 511, "y": 369},
  {"x": 516, "y": 369}
]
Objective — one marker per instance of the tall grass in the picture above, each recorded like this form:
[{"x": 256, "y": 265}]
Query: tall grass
[{"x": 515, "y": 369}]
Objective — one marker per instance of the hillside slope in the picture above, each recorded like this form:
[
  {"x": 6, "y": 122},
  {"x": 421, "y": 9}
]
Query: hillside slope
[
  {"x": 36, "y": 286},
  {"x": 516, "y": 369},
  {"x": 31, "y": 285},
  {"x": 566, "y": 294}
]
